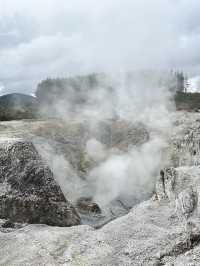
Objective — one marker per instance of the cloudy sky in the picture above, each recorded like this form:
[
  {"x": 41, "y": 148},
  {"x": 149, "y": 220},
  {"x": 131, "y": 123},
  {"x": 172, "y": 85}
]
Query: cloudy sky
[{"x": 50, "y": 38}]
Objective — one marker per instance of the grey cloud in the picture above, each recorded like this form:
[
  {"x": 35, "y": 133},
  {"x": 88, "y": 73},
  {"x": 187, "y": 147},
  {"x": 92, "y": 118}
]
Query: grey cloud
[
  {"x": 55, "y": 38},
  {"x": 16, "y": 29}
]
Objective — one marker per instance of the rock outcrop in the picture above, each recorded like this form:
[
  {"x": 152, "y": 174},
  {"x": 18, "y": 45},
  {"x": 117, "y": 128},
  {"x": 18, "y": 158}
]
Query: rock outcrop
[
  {"x": 152, "y": 234},
  {"x": 28, "y": 191}
]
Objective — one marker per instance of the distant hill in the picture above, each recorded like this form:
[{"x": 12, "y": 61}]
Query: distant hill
[{"x": 16, "y": 106}]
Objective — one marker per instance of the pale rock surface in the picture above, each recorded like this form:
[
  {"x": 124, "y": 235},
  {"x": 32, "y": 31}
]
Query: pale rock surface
[{"x": 165, "y": 230}]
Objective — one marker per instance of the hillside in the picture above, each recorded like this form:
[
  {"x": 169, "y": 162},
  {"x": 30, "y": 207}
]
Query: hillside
[{"x": 17, "y": 106}]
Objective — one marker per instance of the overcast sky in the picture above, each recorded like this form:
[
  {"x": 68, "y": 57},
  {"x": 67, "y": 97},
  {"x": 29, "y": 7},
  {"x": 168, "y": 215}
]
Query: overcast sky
[{"x": 50, "y": 38}]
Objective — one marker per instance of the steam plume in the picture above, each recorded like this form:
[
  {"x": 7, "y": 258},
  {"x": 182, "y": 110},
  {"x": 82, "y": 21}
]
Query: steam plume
[{"x": 117, "y": 172}]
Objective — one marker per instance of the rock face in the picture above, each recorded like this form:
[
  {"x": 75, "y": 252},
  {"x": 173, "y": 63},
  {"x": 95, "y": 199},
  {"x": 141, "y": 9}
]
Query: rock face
[
  {"x": 185, "y": 140},
  {"x": 165, "y": 183},
  {"x": 28, "y": 191},
  {"x": 154, "y": 233}
]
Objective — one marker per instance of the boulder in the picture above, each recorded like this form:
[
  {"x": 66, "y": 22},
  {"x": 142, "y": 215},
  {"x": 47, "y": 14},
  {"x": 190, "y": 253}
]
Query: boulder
[
  {"x": 28, "y": 191},
  {"x": 86, "y": 205}
]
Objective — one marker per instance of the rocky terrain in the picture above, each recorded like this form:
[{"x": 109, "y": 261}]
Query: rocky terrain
[
  {"x": 33, "y": 149},
  {"x": 161, "y": 230}
]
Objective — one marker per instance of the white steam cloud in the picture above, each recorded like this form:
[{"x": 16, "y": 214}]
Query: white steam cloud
[
  {"x": 72, "y": 186},
  {"x": 128, "y": 169},
  {"x": 129, "y": 174}
]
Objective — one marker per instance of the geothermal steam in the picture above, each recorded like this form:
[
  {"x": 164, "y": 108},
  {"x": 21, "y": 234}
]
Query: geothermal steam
[{"x": 116, "y": 173}]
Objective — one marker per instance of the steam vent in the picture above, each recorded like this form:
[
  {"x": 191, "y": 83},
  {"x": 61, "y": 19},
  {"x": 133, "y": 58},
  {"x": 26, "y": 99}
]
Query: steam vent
[{"x": 99, "y": 133}]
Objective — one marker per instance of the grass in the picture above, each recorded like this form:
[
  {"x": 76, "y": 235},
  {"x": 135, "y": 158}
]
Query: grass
[{"x": 187, "y": 101}]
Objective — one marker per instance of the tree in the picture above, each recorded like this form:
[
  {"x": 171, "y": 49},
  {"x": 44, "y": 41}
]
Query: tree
[{"x": 180, "y": 82}]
